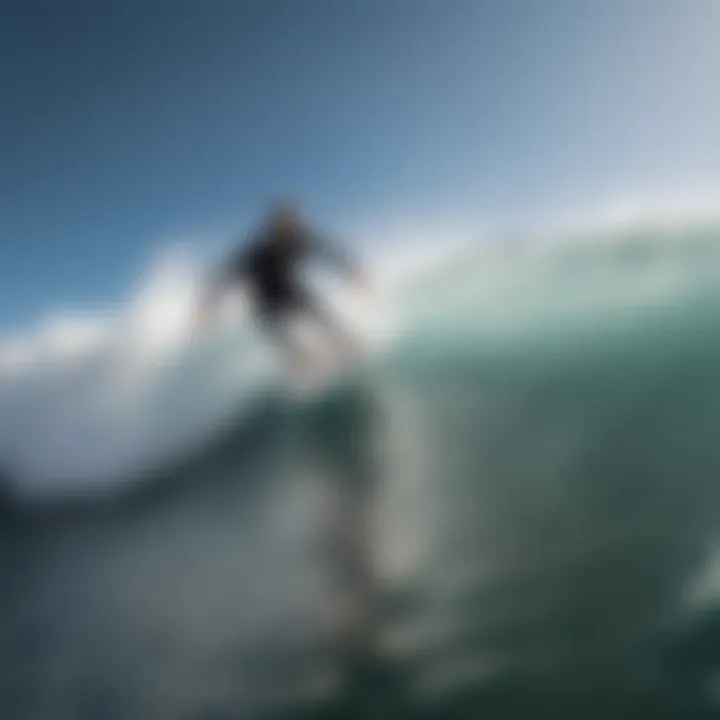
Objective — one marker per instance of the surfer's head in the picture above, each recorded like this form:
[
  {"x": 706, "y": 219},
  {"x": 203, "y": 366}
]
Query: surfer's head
[{"x": 285, "y": 218}]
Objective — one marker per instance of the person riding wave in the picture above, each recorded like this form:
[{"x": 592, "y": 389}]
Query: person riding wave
[{"x": 270, "y": 265}]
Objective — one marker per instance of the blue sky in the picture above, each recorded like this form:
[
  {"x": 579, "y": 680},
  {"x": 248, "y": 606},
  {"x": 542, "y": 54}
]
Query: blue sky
[{"x": 125, "y": 124}]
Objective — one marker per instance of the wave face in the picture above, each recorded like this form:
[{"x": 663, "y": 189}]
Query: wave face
[{"x": 511, "y": 509}]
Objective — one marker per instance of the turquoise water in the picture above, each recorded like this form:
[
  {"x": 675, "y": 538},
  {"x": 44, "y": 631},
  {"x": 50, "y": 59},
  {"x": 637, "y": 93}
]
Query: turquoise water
[{"x": 512, "y": 513}]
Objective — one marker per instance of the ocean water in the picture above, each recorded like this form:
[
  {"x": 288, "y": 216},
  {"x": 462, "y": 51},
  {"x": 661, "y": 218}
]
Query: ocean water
[{"x": 512, "y": 511}]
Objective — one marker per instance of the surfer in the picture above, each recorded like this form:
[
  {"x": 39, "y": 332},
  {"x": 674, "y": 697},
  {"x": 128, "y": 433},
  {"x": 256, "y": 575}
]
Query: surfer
[{"x": 270, "y": 265}]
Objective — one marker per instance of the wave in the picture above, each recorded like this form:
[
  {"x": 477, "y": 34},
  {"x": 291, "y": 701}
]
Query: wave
[{"x": 91, "y": 401}]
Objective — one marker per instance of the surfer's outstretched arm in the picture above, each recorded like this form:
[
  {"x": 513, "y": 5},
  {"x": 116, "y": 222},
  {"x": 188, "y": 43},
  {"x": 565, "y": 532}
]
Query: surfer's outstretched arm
[
  {"x": 207, "y": 305},
  {"x": 332, "y": 253},
  {"x": 229, "y": 274}
]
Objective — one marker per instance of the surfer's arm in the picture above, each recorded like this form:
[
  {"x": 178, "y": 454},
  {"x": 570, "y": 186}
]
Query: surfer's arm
[
  {"x": 332, "y": 253},
  {"x": 227, "y": 275},
  {"x": 210, "y": 297}
]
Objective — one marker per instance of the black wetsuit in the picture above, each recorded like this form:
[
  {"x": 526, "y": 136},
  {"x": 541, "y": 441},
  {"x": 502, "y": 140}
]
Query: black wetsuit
[{"x": 271, "y": 264}]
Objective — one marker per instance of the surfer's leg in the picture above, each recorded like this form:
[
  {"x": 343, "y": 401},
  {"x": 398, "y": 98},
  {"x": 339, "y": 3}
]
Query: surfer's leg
[
  {"x": 319, "y": 311},
  {"x": 275, "y": 321}
]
